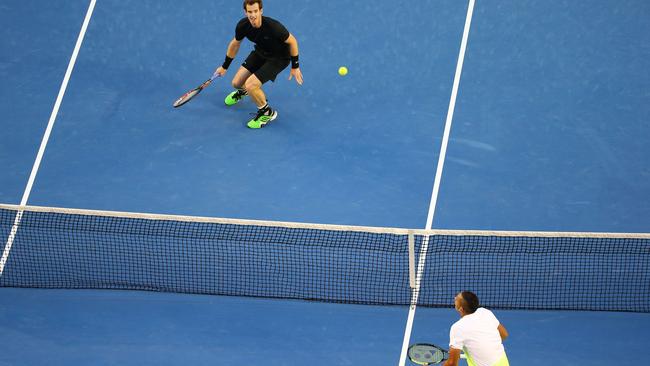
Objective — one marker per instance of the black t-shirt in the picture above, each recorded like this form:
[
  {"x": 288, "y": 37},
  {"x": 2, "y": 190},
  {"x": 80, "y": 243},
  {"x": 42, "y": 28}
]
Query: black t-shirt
[{"x": 269, "y": 38}]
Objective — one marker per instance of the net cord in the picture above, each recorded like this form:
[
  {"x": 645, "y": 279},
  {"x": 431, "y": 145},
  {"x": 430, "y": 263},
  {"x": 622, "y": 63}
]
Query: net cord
[{"x": 351, "y": 228}]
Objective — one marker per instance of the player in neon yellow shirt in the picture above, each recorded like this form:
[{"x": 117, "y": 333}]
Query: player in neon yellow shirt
[{"x": 478, "y": 334}]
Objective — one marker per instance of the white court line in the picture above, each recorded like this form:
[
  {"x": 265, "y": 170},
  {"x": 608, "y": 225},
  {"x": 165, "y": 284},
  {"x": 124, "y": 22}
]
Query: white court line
[
  {"x": 436, "y": 183},
  {"x": 46, "y": 137}
]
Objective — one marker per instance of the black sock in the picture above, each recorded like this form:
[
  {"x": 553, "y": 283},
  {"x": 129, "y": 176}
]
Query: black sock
[{"x": 265, "y": 108}]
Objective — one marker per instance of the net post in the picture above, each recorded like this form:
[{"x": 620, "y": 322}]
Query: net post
[{"x": 411, "y": 237}]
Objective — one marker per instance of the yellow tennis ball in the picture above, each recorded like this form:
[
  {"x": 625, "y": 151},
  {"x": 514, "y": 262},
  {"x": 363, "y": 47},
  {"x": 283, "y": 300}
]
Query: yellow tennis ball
[{"x": 343, "y": 70}]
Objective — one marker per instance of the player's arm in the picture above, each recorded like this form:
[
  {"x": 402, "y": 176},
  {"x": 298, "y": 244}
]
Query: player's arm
[
  {"x": 454, "y": 356},
  {"x": 293, "y": 52},
  {"x": 233, "y": 48},
  {"x": 293, "y": 45},
  {"x": 503, "y": 332}
]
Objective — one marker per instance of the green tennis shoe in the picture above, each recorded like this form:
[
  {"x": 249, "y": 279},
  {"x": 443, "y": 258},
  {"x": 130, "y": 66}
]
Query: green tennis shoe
[
  {"x": 234, "y": 97},
  {"x": 262, "y": 118}
]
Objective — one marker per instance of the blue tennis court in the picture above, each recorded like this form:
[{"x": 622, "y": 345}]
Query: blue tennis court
[{"x": 548, "y": 133}]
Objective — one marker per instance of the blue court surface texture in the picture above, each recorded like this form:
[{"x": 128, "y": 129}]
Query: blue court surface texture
[{"x": 550, "y": 133}]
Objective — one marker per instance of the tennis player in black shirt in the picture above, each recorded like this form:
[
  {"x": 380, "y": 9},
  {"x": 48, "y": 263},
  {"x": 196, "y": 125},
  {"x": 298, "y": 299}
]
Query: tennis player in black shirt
[{"x": 275, "y": 49}]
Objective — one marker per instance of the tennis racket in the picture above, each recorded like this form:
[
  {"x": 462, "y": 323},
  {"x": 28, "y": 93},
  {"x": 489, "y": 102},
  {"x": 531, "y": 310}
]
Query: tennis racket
[
  {"x": 194, "y": 92},
  {"x": 428, "y": 354}
]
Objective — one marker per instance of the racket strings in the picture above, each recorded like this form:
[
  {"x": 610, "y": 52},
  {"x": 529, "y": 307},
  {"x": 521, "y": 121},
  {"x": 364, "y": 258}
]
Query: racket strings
[
  {"x": 182, "y": 100},
  {"x": 426, "y": 355}
]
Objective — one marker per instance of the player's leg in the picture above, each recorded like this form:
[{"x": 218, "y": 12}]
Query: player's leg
[
  {"x": 265, "y": 114},
  {"x": 240, "y": 78},
  {"x": 250, "y": 65},
  {"x": 253, "y": 86},
  {"x": 238, "y": 83}
]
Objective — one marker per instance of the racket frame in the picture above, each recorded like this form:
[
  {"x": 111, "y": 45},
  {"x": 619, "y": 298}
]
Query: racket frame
[
  {"x": 187, "y": 96},
  {"x": 445, "y": 353}
]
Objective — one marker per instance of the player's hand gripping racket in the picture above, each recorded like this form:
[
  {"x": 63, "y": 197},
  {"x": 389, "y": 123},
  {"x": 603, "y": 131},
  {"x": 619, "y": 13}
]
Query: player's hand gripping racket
[
  {"x": 194, "y": 92},
  {"x": 428, "y": 354}
]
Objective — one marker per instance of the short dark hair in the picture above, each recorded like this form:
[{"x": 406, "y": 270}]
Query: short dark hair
[
  {"x": 253, "y": 2},
  {"x": 471, "y": 301}
]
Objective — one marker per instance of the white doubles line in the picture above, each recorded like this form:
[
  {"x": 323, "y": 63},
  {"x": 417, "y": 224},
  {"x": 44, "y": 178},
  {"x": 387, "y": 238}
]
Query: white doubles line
[
  {"x": 436, "y": 183},
  {"x": 46, "y": 137}
]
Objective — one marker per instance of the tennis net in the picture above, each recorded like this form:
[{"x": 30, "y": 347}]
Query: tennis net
[{"x": 68, "y": 248}]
